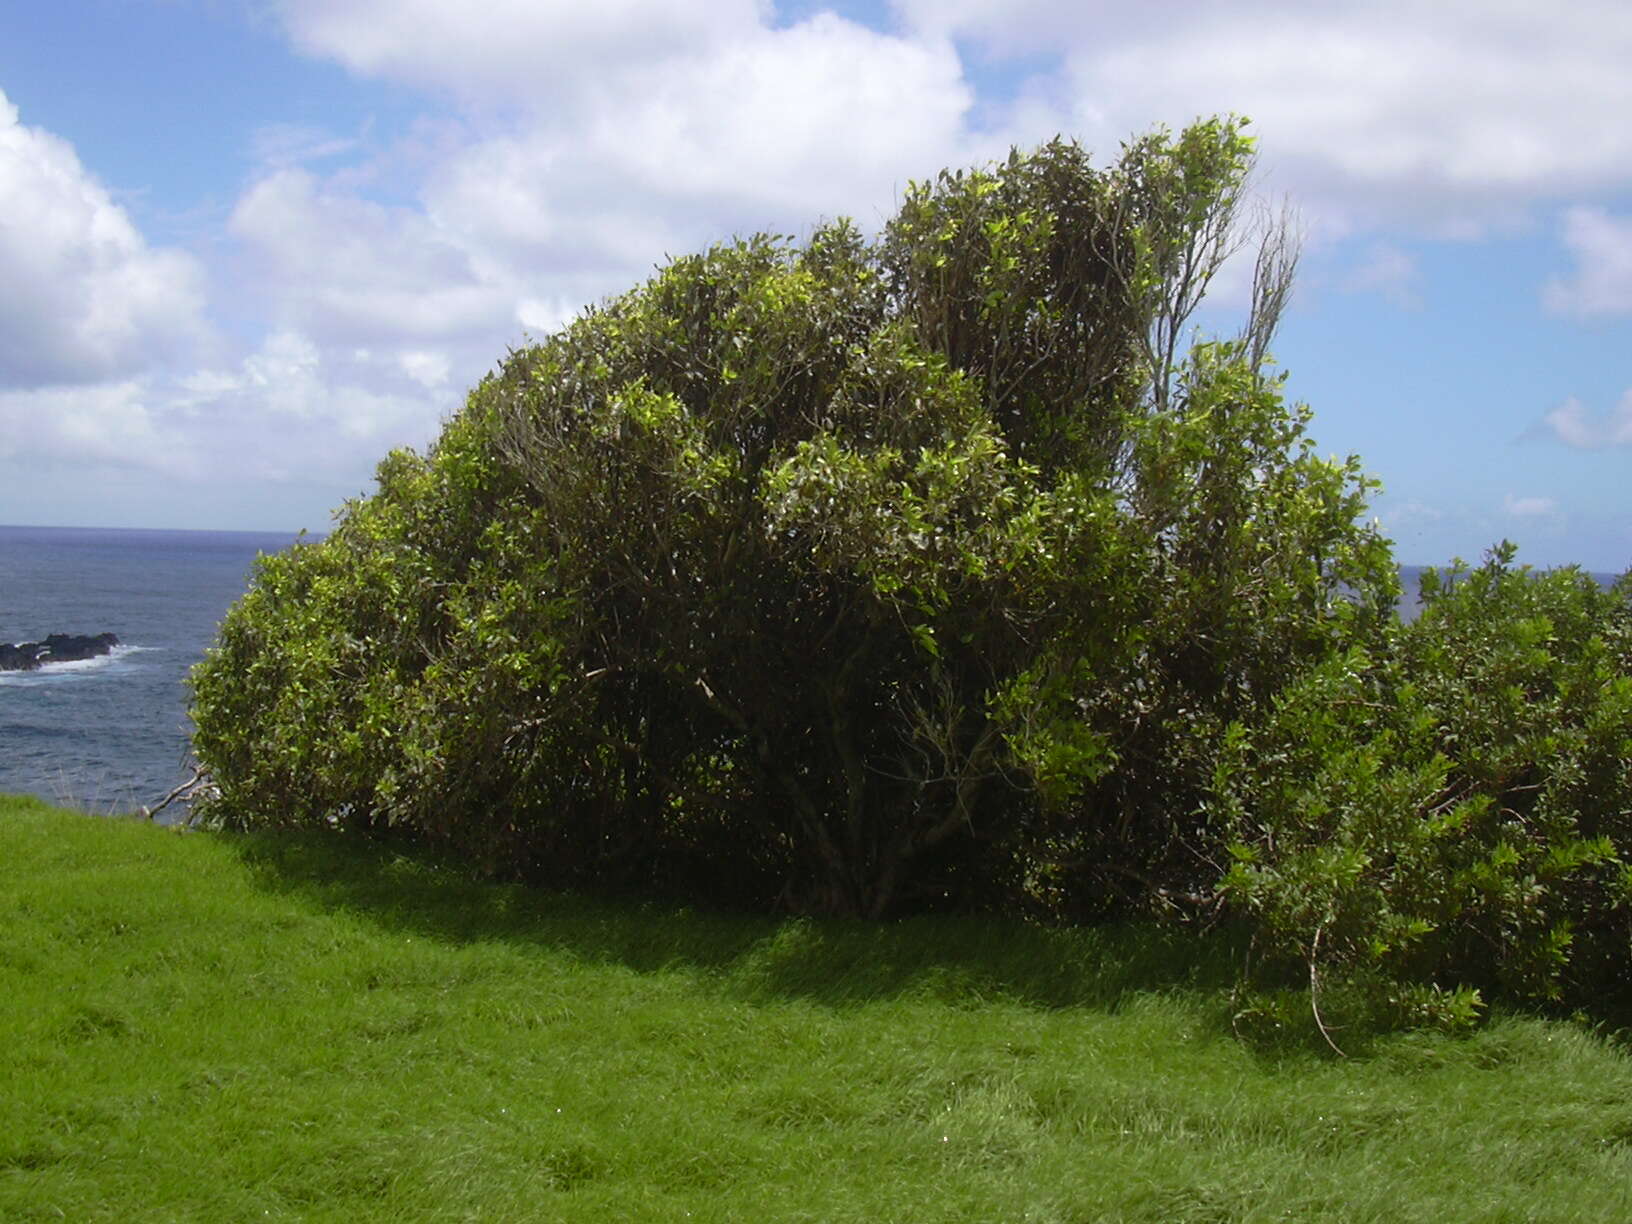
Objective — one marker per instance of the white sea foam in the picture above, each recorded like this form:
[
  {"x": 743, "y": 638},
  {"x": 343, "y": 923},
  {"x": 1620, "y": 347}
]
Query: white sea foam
[{"x": 48, "y": 673}]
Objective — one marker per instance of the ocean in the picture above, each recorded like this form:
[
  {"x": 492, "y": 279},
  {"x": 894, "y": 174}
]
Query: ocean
[{"x": 111, "y": 734}]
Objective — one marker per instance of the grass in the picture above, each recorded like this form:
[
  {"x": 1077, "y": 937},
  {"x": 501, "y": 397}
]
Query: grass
[{"x": 203, "y": 1027}]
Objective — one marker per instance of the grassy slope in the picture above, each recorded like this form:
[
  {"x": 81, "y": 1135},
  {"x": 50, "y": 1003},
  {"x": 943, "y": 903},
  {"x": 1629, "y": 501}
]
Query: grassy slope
[{"x": 210, "y": 1028}]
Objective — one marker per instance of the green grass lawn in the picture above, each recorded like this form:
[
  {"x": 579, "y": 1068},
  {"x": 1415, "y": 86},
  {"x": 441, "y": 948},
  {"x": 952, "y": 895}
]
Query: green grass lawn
[{"x": 226, "y": 1028}]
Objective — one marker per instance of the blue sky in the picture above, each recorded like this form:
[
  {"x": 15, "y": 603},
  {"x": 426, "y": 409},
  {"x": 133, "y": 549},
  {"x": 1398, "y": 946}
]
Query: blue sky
[{"x": 248, "y": 246}]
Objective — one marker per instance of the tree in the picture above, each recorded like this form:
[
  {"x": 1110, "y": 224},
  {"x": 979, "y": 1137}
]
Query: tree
[{"x": 854, "y": 575}]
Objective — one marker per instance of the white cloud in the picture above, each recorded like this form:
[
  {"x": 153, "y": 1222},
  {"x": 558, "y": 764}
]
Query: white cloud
[
  {"x": 593, "y": 143},
  {"x": 290, "y": 411},
  {"x": 336, "y": 264},
  {"x": 373, "y": 273},
  {"x": 1386, "y": 270},
  {"x": 113, "y": 423},
  {"x": 644, "y": 127},
  {"x": 1412, "y": 514},
  {"x": 355, "y": 404},
  {"x": 285, "y": 376},
  {"x": 533, "y": 52},
  {"x": 817, "y": 118},
  {"x": 1454, "y": 115},
  {"x": 85, "y": 298},
  {"x": 279, "y": 145},
  {"x": 539, "y": 317},
  {"x": 1602, "y": 281},
  {"x": 771, "y": 131},
  {"x": 1572, "y": 424},
  {"x": 1529, "y": 507},
  {"x": 429, "y": 369}
]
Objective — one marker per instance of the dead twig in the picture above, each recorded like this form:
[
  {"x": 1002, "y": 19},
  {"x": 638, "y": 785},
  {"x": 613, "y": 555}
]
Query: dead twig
[
  {"x": 185, "y": 791},
  {"x": 1314, "y": 991}
]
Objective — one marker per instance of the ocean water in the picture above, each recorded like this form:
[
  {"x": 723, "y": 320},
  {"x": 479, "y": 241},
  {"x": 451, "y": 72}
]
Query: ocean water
[{"x": 111, "y": 734}]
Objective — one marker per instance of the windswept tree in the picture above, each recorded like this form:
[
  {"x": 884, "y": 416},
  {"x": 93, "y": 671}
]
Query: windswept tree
[{"x": 852, "y": 575}]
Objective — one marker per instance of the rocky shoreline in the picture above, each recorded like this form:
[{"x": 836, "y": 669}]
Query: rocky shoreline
[{"x": 56, "y": 648}]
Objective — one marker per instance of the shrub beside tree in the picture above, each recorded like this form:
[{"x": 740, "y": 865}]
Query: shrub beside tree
[{"x": 1453, "y": 812}]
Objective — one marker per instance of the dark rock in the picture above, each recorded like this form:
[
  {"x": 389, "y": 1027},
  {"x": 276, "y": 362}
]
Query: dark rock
[{"x": 56, "y": 648}]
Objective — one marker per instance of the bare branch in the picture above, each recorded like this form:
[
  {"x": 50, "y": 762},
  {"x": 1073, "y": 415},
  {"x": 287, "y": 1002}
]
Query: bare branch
[
  {"x": 1280, "y": 244},
  {"x": 186, "y": 791}
]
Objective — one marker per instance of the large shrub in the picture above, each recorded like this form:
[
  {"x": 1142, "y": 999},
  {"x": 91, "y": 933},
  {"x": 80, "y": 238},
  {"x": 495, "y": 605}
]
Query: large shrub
[{"x": 851, "y": 575}]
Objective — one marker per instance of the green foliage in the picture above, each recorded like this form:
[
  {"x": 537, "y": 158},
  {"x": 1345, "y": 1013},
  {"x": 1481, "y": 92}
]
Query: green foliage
[
  {"x": 854, "y": 576},
  {"x": 1456, "y": 809}
]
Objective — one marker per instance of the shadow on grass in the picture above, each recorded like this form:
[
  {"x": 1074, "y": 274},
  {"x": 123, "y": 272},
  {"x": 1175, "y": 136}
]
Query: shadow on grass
[{"x": 947, "y": 959}]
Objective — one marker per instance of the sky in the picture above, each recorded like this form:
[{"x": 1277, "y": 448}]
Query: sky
[{"x": 247, "y": 247}]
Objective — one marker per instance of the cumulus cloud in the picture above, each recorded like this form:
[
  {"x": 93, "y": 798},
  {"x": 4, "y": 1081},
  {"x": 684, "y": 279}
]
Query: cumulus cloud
[
  {"x": 86, "y": 299},
  {"x": 532, "y": 52},
  {"x": 371, "y": 273},
  {"x": 337, "y": 264},
  {"x": 817, "y": 117},
  {"x": 591, "y": 143},
  {"x": 1452, "y": 118},
  {"x": 1602, "y": 281},
  {"x": 100, "y": 333},
  {"x": 347, "y": 404},
  {"x": 707, "y": 100},
  {"x": 1572, "y": 424},
  {"x": 594, "y": 141},
  {"x": 768, "y": 132},
  {"x": 113, "y": 423},
  {"x": 290, "y": 411},
  {"x": 1453, "y": 115}
]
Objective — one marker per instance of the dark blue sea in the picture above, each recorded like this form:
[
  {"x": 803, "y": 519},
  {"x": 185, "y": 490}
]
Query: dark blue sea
[{"x": 111, "y": 734}]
